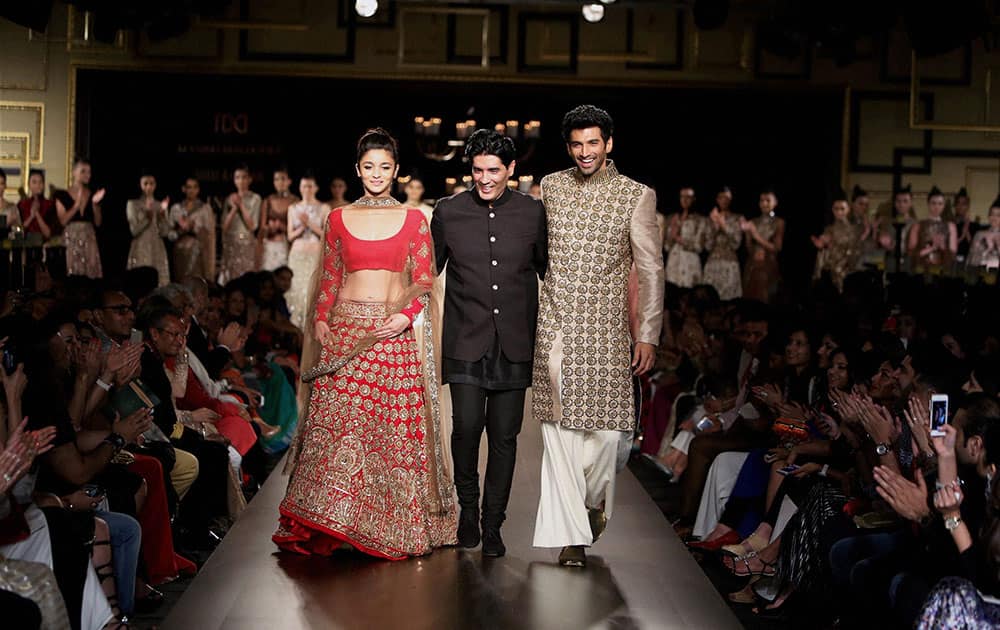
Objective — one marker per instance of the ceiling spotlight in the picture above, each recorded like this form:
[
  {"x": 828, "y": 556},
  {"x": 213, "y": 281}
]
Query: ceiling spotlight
[
  {"x": 608, "y": 1},
  {"x": 366, "y": 8},
  {"x": 591, "y": 12}
]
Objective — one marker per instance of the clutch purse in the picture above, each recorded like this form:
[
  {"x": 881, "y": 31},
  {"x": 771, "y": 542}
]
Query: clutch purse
[
  {"x": 131, "y": 398},
  {"x": 790, "y": 430}
]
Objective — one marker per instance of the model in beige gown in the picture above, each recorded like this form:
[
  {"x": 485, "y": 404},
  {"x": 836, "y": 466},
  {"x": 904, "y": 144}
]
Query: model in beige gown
[{"x": 240, "y": 220}]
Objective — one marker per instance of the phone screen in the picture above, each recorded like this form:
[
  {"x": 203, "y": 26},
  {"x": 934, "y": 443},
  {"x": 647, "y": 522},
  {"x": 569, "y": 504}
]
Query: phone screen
[
  {"x": 135, "y": 337},
  {"x": 939, "y": 414}
]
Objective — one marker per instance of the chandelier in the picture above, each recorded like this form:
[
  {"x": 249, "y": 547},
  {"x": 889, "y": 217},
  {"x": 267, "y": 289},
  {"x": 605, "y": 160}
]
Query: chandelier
[{"x": 439, "y": 147}]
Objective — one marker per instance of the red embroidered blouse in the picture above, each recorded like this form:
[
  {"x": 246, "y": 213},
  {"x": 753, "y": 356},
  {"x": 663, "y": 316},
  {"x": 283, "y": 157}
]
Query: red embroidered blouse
[{"x": 409, "y": 250}]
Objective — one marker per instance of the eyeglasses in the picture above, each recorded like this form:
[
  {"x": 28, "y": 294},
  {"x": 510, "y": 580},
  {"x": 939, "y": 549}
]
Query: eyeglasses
[
  {"x": 174, "y": 334},
  {"x": 120, "y": 309}
]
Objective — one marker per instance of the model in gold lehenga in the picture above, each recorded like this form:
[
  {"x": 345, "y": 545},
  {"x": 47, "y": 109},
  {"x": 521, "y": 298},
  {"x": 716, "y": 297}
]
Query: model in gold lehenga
[{"x": 367, "y": 464}]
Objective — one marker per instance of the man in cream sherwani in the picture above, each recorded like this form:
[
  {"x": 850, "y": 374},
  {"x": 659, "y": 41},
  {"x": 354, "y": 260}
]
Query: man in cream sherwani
[{"x": 599, "y": 223}]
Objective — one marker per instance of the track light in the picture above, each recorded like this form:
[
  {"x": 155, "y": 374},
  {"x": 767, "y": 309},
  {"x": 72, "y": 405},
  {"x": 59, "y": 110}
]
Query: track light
[
  {"x": 593, "y": 12},
  {"x": 366, "y": 8}
]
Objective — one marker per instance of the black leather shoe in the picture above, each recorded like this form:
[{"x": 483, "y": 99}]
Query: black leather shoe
[
  {"x": 493, "y": 546},
  {"x": 468, "y": 529}
]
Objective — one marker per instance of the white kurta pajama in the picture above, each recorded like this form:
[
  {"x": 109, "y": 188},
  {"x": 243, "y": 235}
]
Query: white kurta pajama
[{"x": 582, "y": 379}]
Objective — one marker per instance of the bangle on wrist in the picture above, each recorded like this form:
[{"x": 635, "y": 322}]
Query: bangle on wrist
[
  {"x": 103, "y": 384},
  {"x": 824, "y": 470}
]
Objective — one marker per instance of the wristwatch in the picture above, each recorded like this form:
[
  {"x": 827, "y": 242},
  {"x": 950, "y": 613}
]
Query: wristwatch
[
  {"x": 882, "y": 448},
  {"x": 952, "y": 522},
  {"x": 115, "y": 440}
]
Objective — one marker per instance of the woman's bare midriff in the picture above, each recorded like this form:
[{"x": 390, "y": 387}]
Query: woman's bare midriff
[{"x": 372, "y": 285}]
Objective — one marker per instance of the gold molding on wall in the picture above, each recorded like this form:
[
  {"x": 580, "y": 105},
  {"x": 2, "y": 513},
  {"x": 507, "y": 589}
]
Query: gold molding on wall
[
  {"x": 743, "y": 63},
  {"x": 38, "y": 133},
  {"x": 969, "y": 170},
  {"x": 915, "y": 123},
  {"x": 29, "y": 87},
  {"x": 484, "y": 63},
  {"x": 22, "y": 160}
]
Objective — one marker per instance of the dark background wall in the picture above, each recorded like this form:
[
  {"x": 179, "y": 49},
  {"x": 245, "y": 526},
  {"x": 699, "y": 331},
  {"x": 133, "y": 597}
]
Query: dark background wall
[{"x": 174, "y": 125}]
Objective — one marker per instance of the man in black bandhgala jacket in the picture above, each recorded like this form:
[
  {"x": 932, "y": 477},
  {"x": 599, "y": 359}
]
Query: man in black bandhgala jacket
[{"x": 493, "y": 241}]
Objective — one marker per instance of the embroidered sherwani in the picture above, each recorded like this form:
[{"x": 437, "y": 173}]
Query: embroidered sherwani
[{"x": 582, "y": 380}]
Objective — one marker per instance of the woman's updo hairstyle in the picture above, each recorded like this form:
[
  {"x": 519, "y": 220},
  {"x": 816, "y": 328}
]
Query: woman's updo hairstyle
[{"x": 375, "y": 139}]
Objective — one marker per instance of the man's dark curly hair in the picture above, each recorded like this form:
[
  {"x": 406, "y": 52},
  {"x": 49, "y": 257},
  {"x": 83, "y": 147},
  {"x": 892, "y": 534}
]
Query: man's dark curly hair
[
  {"x": 585, "y": 117},
  {"x": 490, "y": 142}
]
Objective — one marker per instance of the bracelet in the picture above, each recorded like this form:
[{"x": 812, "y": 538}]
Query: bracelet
[
  {"x": 956, "y": 483},
  {"x": 105, "y": 386},
  {"x": 824, "y": 470},
  {"x": 952, "y": 522}
]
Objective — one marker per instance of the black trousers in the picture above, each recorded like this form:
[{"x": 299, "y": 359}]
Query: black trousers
[
  {"x": 500, "y": 412},
  {"x": 207, "y": 497}
]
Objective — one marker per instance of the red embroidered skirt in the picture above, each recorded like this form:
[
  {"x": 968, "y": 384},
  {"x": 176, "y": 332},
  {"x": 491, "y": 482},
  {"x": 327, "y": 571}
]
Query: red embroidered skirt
[{"x": 363, "y": 474}]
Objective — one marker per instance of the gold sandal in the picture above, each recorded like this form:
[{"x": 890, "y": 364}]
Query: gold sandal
[{"x": 756, "y": 543}]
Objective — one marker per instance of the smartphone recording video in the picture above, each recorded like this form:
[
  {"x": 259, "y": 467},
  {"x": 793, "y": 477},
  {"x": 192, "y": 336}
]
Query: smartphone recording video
[{"x": 939, "y": 414}]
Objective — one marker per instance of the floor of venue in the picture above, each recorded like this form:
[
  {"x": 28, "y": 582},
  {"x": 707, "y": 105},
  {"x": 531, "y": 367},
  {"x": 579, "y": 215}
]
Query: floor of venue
[{"x": 639, "y": 575}]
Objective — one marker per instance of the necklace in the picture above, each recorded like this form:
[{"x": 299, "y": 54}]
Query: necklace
[{"x": 377, "y": 202}]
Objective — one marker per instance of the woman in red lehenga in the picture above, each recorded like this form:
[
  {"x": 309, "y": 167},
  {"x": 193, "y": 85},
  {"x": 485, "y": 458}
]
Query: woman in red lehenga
[{"x": 368, "y": 467}]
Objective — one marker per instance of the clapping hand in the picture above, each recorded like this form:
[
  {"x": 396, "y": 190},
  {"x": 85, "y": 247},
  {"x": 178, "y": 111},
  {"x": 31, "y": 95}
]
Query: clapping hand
[
  {"x": 907, "y": 498},
  {"x": 918, "y": 417},
  {"x": 124, "y": 362},
  {"x": 134, "y": 425},
  {"x": 99, "y": 196},
  {"x": 233, "y": 337},
  {"x": 828, "y": 426},
  {"x": 88, "y": 357},
  {"x": 881, "y": 426},
  {"x": 21, "y": 450}
]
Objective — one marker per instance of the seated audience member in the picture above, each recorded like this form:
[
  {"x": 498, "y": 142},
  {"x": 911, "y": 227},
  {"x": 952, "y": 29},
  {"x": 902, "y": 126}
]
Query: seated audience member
[{"x": 208, "y": 499}]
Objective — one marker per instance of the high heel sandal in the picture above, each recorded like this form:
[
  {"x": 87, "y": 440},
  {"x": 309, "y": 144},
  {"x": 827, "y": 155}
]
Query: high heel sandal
[
  {"x": 266, "y": 430},
  {"x": 756, "y": 542},
  {"x": 770, "y": 568},
  {"x": 122, "y": 620}
]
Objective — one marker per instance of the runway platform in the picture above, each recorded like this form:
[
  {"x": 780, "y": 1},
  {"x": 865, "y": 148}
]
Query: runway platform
[{"x": 639, "y": 575}]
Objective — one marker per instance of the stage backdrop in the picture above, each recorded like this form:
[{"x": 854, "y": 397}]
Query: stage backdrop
[{"x": 174, "y": 125}]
